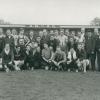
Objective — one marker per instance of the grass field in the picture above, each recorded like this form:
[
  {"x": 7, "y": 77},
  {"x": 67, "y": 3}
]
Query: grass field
[{"x": 49, "y": 85}]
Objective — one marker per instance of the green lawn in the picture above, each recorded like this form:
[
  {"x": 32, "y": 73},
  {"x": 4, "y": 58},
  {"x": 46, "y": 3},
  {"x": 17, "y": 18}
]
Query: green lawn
[{"x": 49, "y": 85}]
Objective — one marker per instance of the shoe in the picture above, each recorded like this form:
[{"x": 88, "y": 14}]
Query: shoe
[
  {"x": 46, "y": 68},
  {"x": 76, "y": 71},
  {"x": 55, "y": 69},
  {"x": 17, "y": 68},
  {"x": 7, "y": 70},
  {"x": 68, "y": 70},
  {"x": 84, "y": 71},
  {"x": 32, "y": 68}
]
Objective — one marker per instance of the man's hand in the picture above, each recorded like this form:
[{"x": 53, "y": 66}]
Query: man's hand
[
  {"x": 55, "y": 63},
  {"x": 68, "y": 62},
  {"x": 59, "y": 63},
  {"x": 92, "y": 52},
  {"x": 99, "y": 50},
  {"x": 10, "y": 62}
]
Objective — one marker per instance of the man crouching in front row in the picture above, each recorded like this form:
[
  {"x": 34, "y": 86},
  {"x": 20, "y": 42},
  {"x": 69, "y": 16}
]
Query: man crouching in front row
[
  {"x": 76, "y": 59},
  {"x": 53, "y": 61},
  {"x": 58, "y": 60},
  {"x": 82, "y": 62}
]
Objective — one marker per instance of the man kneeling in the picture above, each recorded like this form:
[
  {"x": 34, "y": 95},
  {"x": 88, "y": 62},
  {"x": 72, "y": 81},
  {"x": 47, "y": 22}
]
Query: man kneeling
[
  {"x": 82, "y": 62},
  {"x": 46, "y": 57},
  {"x": 7, "y": 58},
  {"x": 59, "y": 60},
  {"x": 18, "y": 58}
]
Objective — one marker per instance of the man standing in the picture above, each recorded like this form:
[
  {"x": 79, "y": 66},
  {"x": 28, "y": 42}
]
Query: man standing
[
  {"x": 9, "y": 39},
  {"x": 63, "y": 41},
  {"x": 31, "y": 36},
  {"x": 90, "y": 49},
  {"x": 15, "y": 36},
  {"x": 98, "y": 50},
  {"x": 46, "y": 56},
  {"x": 59, "y": 59},
  {"x": 53, "y": 43},
  {"x": 1, "y": 40}
]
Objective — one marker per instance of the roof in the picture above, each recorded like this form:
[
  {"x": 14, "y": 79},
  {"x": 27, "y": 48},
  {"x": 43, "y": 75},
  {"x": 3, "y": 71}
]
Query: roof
[{"x": 48, "y": 26}]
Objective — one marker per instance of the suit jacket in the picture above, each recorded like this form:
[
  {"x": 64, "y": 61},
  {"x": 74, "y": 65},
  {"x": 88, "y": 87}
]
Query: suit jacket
[
  {"x": 9, "y": 41},
  {"x": 90, "y": 44},
  {"x": 81, "y": 54},
  {"x": 98, "y": 44},
  {"x": 6, "y": 58}
]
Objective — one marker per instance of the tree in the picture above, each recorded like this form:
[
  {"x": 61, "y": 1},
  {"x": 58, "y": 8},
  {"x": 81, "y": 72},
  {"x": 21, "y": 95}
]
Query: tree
[
  {"x": 95, "y": 21},
  {"x": 4, "y": 22}
]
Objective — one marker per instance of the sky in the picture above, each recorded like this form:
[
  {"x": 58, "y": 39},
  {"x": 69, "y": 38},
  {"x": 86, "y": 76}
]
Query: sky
[{"x": 50, "y": 12}]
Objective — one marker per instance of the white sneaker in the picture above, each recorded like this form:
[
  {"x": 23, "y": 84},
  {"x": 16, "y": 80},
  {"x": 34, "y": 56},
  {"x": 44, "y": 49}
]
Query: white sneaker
[
  {"x": 7, "y": 70},
  {"x": 84, "y": 71},
  {"x": 32, "y": 68},
  {"x": 46, "y": 68},
  {"x": 76, "y": 71},
  {"x": 17, "y": 68},
  {"x": 68, "y": 70}
]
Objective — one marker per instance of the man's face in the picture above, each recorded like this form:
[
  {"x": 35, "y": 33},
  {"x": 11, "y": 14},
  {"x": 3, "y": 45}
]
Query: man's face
[
  {"x": 44, "y": 32},
  {"x": 22, "y": 32},
  {"x": 14, "y": 32},
  {"x": 71, "y": 40},
  {"x": 38, "y": 39},
  {"x": 45, "y": 45},
  {"x": 67, "y": 32},
  {"x": 52, "y": 38},
  {"x": 51, "y": 32},
  {"x": 99, "y": 33},
  {"x": 79, "y": 34},
  {"x": 38, "y": 49},
  {"x": 31, "y": 33},
  {"x": 18, "y": 48},
  {"x": 8, "y": 32},
  {"x": 0, "y": 61},
  {"x": 73, "y": 33},
  {"x": 21, "y": 42},
  {"x": 89, "y": 34},
  {"x": 28, "y": 48},
  {"x": 7, "y": 46},
  {"x": 83, "y": 45},
  {"x": 56, "y": 33},
  {"x": 72, "y": 50},
  {"x": 79, "y": 46},
  {"x": 40, "y": 33},
  {"x": 58, "y": 49},
  {"x": 51, "y": 48},
  {"x": 61, "y": 32},
  {"x": 66, "y": 39}
]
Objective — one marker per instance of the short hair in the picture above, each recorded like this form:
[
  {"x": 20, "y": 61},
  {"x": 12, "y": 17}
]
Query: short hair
[
  {"x": 58, "y": 47},
  {"x": 21, "y": 29},
  {"x": 17, "y": 46},
  {"x": 45, "y": 43}
]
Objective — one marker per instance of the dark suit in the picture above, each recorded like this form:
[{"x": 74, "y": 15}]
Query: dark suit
[
  {"x": 1, "y": 44},
  {"x": 10, "y": 41},
  {"x": 53, "y": 43},
  {"x": 98, "y": 51},
  {"x": 81, "y": 54},
  {"x": 90, "y": 50}
]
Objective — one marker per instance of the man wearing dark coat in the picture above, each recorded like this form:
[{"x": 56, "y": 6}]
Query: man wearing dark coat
[{"x": 90, "y": 49}]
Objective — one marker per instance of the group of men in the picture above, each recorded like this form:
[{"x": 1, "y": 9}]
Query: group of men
[{"x": 57, "y": 49}]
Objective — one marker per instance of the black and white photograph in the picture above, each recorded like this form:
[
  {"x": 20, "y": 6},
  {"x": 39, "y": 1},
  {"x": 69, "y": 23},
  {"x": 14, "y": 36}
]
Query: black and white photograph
[{"x": 49, "y": 49}]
